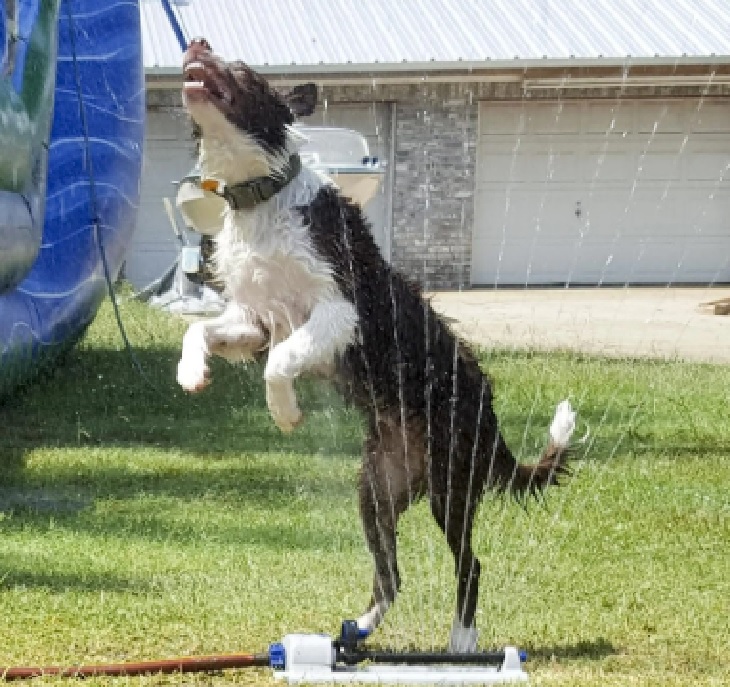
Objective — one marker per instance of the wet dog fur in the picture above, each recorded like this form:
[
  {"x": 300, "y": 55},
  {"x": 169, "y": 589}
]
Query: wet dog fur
[{"x": 308, "y": 288}]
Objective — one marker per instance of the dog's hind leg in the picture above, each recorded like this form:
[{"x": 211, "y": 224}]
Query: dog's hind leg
[
  {"x": 390, "y": 480},
  {"x": 455, "y": 517}
]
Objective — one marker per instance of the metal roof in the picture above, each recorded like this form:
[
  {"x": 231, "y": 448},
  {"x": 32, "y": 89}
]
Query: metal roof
[{"x": 394, "y": 34}]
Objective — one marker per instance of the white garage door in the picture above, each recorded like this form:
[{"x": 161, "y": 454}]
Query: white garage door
[
  {"x": 169, "y": 156},
  {"x": 598, "y": 192}
]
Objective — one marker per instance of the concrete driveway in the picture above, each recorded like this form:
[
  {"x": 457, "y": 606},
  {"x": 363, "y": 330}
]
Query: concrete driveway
[{"x": 635, "y": 322}]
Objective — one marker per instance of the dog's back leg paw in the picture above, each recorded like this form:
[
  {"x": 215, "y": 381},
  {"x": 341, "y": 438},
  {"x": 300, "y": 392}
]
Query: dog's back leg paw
[{"x": 463, "y": 640}]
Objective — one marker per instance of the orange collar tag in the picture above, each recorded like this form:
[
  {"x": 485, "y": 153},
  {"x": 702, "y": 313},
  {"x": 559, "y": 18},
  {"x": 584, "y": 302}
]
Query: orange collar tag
[{"x": 212, "y": 185}]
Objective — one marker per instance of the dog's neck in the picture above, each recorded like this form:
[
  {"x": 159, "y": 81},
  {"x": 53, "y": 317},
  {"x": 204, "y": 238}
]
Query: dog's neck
[
  {"x": 233, "y": 164},
  {"x": 271, "y": 225},
  {"x": 248, "y": 194},
  {"x": 240, "y": 158}
]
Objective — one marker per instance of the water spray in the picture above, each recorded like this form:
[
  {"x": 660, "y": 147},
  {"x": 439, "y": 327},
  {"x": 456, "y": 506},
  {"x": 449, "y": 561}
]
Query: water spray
[{"x": 317, "y": 658}]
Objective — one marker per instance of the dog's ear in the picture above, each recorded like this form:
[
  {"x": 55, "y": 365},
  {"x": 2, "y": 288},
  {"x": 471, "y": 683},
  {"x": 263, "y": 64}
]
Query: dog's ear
[{"x": 302, "y": 99}]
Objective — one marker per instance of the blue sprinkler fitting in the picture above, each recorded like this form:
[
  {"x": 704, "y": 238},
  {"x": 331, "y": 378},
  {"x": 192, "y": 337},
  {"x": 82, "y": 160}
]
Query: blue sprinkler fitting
[{"x": 277, "y": 656}]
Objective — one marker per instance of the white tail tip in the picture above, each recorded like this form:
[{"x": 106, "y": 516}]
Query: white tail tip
[{"x": 563, "y": 424}]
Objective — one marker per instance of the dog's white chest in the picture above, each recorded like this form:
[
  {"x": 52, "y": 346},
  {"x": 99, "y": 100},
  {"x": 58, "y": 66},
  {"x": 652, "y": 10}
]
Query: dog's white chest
[
  {"x": 267, "y": 261},
  {"x": 280, "y": 289}
]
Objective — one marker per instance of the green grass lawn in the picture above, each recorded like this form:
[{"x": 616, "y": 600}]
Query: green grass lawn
[{"x": 137, "y": 522}]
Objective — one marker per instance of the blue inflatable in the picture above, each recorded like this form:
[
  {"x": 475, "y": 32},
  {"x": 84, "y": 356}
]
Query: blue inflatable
[{"x": 70, "y": 169}]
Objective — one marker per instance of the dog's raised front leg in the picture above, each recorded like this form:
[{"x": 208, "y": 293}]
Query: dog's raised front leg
[
  {"x": 236, "y": 335},
  {"x": 282, "y": 402},
  {"x": 327, "y": 332}
]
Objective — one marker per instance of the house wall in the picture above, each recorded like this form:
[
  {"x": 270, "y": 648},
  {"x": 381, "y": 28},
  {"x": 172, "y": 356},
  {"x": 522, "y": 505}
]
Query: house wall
[
  {"x": 436, "y": 128},
  {"x": 435, "y": 148}
]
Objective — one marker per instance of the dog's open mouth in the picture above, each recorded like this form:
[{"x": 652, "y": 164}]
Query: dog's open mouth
[{"x": 205, "y": 80}]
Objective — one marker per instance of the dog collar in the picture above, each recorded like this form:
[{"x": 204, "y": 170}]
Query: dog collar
[{"x": 250, "y": 193}]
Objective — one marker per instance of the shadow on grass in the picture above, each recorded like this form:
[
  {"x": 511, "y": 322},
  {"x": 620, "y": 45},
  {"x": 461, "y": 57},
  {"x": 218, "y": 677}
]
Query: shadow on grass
[
  {"x": 595, "y": 650},
  {"x": 99, "y": 398},
  {"x": 134, "y": 527},
  {"x": 28, "y": 571},
  {"x": 99, "y": 401},
  {"x": 139, "y": 437},
  {"x": 49, "y": 500}
]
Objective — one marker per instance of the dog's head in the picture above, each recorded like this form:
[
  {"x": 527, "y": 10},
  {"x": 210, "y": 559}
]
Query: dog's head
[{"x": 244, "y": 124}]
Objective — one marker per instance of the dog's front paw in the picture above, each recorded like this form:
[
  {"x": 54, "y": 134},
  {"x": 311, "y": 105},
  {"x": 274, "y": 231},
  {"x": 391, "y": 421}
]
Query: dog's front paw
[
  {"x": 193, "y": 375},
  {"x": 283, "y": 406},
  {"x": 286, "y": 419}
]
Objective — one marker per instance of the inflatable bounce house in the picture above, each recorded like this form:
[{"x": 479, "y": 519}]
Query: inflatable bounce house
[{"x": 71, "y": 135}]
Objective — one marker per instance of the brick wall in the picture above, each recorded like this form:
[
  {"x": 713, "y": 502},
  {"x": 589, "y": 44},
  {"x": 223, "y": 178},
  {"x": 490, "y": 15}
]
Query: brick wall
[
  {"x": 433, "y": 181},
  {"x": 433, "y": 187}
]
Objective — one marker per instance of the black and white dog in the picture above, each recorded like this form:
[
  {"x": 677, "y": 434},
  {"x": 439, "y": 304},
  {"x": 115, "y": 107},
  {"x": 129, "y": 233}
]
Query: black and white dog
[{"x": 306, "y": 282}]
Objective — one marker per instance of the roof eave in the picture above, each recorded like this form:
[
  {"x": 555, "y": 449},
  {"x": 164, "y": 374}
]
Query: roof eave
[{"x": 460, "y": 66}]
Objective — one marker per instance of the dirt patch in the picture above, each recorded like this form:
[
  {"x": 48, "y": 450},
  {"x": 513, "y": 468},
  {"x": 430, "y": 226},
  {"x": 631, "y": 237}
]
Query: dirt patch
[{"x": 624, "y": 322}]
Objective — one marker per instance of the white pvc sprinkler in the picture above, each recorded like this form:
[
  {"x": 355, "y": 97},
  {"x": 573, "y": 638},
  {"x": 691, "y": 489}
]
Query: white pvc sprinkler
[{"x": 317, "y": 658}]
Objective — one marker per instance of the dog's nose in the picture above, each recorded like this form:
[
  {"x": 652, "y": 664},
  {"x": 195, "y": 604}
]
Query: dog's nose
[{"x": 199, "y": 44}]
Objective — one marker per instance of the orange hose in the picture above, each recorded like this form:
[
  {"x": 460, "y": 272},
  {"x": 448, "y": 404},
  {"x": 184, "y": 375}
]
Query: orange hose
[{"x": 190, "y": 664}]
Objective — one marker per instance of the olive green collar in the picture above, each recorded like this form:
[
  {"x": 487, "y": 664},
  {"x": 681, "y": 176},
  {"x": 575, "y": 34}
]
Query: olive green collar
[{"x": 250, "y": 193}]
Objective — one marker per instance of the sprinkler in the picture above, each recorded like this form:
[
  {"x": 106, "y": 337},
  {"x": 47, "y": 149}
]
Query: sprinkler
[
  {"x": 317, "y": 658},
  {"x": 313, "y": 658}
]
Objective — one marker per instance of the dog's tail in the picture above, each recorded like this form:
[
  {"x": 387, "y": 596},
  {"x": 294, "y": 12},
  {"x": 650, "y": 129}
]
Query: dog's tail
[{"x": 531, "y": 480}]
